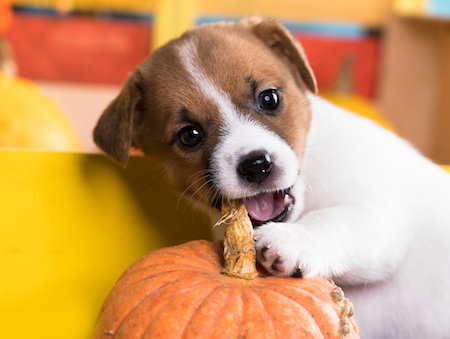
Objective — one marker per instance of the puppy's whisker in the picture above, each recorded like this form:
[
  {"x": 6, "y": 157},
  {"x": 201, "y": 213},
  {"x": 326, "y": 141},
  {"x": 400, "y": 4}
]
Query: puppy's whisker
[
  {"x": 310, "y": 99},
  {"x": 213, "y": 198},
  {"x": 190, "y": 186},
  {"x": 154, "y": 181},
  {"x": 319, "y": 179},
  {"x": 319, "y": 143},
  {"x": 200, "y": 188},
  {"x": 198, "y": 201},
  {"x": 308, "y": 185},
  {"x": 311, "y": 158},
  {"x": 192, "y": 198},
  {"x": 200, "y": 173}
]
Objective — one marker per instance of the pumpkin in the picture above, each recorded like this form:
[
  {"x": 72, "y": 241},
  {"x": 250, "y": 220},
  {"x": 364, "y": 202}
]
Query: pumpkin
[
  {"x": 212, "y": 290},
  {"x": 29, "y": 119}
]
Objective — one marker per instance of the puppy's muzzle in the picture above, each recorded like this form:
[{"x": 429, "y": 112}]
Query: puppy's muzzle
[{"x": 255, "y": 167}]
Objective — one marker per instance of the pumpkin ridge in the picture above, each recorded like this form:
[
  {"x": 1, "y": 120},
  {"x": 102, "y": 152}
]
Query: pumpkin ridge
[
  {"x": 315, "y": 305},
  {"x": 191, "y": 323},
  {"x": 318, "y": 291},
  {"x": 141, "y": 263},
  {"x": 270, "y": 297},
  {"x": 182, "y": 302},
  {"x": 213, "y": 247},
  {"x": 224, "y": 326},
  {"x": 305, "y": 284},
  {"x": 154, "y": 256},
  {"x": 141, "y": 295},
  {"x": 115, "y": 293},
  {"x": 206, "y": 247},
  {"x": 260, "y": 303},
  {"x": 156, "y": 300},
  {"x": 157, "y": 269},
  {"x": 175, "y": 302},
  {"x": 191, "y": 257}
]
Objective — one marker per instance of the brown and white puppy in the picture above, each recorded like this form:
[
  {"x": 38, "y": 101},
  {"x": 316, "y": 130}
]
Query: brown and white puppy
[{"x": 229, "y": 112}]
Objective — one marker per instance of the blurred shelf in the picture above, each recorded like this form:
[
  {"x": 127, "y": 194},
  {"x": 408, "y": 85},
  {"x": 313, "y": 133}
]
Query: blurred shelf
[
  {"x": 415, "y": 80},
  {"x": 368, "y": 13},
  {"x": 432, "y": 10},
  {"x": 125, "y": 6}
]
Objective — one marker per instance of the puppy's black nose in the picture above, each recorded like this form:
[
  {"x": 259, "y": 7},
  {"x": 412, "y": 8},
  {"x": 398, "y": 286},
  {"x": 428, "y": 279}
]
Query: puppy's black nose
[{"x": 256, "y": 167}]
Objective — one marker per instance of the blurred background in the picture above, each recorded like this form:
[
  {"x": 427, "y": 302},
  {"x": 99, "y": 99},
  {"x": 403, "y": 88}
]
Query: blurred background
[
  {"x": 71, "y": 221},
  {"x": 389, "y": 55}
]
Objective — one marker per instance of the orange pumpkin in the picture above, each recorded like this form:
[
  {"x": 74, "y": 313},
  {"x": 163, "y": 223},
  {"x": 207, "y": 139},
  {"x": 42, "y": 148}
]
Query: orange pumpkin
[{"x": 182, "y": 292}]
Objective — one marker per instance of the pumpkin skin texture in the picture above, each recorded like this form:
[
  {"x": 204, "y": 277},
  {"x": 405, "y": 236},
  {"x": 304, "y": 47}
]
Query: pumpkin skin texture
[{"x": 180, "y": 292}]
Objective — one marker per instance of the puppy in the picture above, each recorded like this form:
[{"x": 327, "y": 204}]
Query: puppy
[{"x": 230, "y": 112}]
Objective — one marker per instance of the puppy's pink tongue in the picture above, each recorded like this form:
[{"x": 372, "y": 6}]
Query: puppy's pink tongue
[{"x": 264, "y": 206}]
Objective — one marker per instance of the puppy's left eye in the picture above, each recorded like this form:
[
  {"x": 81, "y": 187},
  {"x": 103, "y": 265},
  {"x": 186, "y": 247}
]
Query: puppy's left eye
[
  {"x": 190, "y": 136},
  {"x": 269, "y": 100}
]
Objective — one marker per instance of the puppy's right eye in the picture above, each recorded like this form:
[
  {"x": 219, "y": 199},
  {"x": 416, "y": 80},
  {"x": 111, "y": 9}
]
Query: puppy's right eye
[
  {"x": 269, "y": 100},
  {"x": 190, "y": 136}
]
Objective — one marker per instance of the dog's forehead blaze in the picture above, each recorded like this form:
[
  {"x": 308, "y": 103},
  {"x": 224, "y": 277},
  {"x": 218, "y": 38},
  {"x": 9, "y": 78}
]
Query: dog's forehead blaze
[
  {"x": 207, "y": 76},
  {"x": 226, "y": 66}
]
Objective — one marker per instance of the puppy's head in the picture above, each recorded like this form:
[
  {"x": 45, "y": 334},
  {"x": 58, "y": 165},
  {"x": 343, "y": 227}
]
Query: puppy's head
[{"x": 223, "y": 108}]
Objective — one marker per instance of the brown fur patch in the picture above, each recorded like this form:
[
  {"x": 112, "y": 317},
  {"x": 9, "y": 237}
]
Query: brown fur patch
[{"x": 242, "y": 61}]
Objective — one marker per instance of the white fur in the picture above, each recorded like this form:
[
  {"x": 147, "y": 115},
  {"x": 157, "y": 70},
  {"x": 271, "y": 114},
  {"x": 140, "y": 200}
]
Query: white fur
[
  {"x": 370, "y": 212},
  {"x": 205, "y": 85},
  {"x": 241, "y": 139},
  {"x": 240, "y": 136},
  {"x": 377, "y": 220}
]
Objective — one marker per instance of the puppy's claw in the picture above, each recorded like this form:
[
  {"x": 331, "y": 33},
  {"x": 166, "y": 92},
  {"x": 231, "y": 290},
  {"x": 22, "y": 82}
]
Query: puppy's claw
[
  {"x": 297, "y": 273},
  {"x": 277, "y": 265},
  {"x": 264, "y": 250}
]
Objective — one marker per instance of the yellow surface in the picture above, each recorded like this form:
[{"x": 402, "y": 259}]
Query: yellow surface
[
  {"x": 173, "y": 17},
  {"x": 447, "y": 168},
  {"x": 70, "y": 225},
  {"x": 28, "y": 119}
]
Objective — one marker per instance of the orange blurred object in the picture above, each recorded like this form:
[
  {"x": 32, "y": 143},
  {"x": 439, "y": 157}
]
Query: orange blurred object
[
  {"x": 29, "y": 119},
  {"x": 6, "y": 16},
  {"x": 78, "y": 48}
]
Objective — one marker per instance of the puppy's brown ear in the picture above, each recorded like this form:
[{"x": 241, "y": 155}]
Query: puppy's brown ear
[
  {"x": 114, "y": 130},
  {"x": 278, "y": 38}
]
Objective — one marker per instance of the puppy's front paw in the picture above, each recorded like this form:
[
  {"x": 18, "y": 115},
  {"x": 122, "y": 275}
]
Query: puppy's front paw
[{"x": 283, "y": 250}]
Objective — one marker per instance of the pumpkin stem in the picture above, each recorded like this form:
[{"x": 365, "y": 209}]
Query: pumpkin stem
[{"x": 238, "y": 243}]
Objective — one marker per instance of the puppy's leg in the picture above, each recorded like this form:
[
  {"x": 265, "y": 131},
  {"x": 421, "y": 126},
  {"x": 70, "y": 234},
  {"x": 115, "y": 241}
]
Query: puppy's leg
[{"x": 351, "y": 244}]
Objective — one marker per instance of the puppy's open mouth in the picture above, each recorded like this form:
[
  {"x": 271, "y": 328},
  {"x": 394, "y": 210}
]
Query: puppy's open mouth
[{"x": 269, "y": 206}]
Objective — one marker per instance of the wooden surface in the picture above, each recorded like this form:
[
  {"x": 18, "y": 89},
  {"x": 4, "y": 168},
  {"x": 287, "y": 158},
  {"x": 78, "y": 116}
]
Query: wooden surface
[
  {"x": 414, "y": 91},
  {"x": 442, "y": 152}
]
